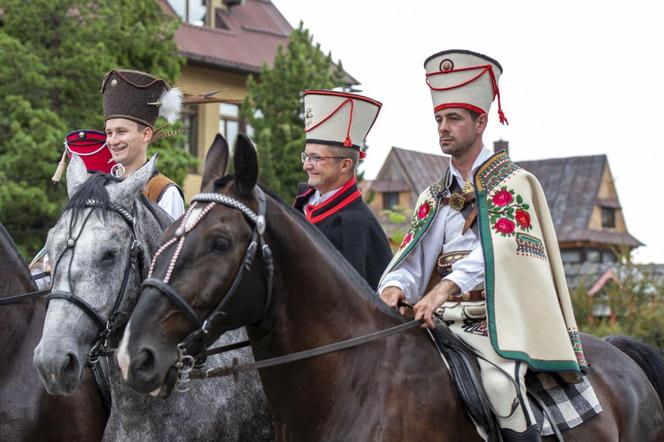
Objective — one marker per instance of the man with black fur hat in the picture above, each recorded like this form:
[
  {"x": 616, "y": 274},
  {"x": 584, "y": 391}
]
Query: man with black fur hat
[
  {"x": 132, "y": 102},
  {"x": 336, "y": 125}
]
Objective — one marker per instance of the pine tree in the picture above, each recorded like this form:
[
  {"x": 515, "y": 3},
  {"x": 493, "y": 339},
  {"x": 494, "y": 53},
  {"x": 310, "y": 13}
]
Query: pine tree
[
  {"x": 53, "y": 56},
  {"x": 274, "y": 108}
]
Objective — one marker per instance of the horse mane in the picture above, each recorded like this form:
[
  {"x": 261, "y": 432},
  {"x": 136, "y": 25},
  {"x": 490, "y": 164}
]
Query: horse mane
[
  {"x": 645, "y": 356},
  {"x": 8, "y": 245},
  {"x": 94, "y": 188}
]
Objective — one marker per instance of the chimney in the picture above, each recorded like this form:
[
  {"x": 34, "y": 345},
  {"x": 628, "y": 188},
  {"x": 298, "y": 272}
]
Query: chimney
[{"x": 501, "y": 145}]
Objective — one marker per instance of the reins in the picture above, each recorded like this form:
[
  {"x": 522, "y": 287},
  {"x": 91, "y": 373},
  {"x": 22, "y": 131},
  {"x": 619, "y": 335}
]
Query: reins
[
  {"x": 305, "y": 354},
  {"x": 187, "y": 366},
  {"x": 24, "y": 297}
]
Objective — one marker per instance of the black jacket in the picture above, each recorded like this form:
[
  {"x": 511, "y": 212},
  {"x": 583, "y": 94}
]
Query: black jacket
[{"x": 352, "y": 228}]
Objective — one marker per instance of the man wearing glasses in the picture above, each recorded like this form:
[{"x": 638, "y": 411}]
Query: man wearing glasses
[{"x": 336, "y": 125}]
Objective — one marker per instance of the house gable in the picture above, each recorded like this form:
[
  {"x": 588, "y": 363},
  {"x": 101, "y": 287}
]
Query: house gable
[{"x": 579, "y": 192}]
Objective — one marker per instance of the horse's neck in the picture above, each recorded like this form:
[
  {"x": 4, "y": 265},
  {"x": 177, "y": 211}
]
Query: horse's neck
[
  {"x": 319, "y": 300},
  {"x": 15, "y": 319},
  {"x": 317, "y": 293}
]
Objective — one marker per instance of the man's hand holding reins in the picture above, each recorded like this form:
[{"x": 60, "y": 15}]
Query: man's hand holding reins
[
  {"x": 427, "y": 306},
  {"x": 391, "y": 296}
]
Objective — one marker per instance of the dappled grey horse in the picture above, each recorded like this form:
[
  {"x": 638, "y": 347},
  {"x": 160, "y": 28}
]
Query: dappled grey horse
[{"x": 100, "y": 249}]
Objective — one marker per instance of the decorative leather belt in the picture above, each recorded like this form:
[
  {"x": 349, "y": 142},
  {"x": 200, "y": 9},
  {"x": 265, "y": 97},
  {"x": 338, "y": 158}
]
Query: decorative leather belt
[
  {"x": 444, "y": 264},
  {"x": 445, "y": 261}
]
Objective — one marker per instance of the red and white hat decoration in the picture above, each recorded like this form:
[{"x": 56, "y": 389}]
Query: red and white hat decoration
[
  {"x": 91, "y": 146},
  {"x": 338, "y": 118},
  {"x": 466, "y": 79}
]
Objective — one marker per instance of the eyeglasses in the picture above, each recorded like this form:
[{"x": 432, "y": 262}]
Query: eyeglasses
[{"x": 313, "y": 159}]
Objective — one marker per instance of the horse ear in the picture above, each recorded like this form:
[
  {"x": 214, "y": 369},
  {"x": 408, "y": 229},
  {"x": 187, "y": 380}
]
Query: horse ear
[
  {"x": 246, "y": 165},
  {"x": 216, "y": 161},
  {"x": 76, "y": 174},
  {"x": 125, "y": 193}
]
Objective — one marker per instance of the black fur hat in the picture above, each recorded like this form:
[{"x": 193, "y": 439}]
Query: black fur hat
[{"x": 139, "y": 97}]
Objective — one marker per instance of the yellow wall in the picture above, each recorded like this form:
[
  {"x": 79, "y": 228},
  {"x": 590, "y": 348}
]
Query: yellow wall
[
  {"x": 195, "y": 80},
  {"x": 405, "y": 201}
]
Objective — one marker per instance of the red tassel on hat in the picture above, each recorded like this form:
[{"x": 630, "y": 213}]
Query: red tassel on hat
[
  {"x": 348, "y": 142},
  {"x": 363, "y": 155},
  {"x": 501, "y": 115},
  {"x": 496, "y": 93}
]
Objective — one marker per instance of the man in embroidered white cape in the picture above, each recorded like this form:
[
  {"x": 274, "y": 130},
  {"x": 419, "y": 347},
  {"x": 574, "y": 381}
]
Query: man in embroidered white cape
[{"x": 462, "y": 98}]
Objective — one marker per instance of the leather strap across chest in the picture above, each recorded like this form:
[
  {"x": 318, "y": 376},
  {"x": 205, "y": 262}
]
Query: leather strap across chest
[{"x": 456, "y": 199}]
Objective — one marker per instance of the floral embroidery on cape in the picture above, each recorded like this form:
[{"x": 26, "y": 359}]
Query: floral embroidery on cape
[{"x": 508, "y": 211}]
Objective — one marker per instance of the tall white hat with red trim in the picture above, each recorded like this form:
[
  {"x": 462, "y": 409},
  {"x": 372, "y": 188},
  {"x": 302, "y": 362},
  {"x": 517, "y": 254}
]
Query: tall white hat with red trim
[
  {"x": 466, "y": 79},
  {"x": 338, "y": 118}
]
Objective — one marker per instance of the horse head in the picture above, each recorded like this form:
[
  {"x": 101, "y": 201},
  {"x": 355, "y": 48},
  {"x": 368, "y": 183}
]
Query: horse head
[
  {"x": 99, "y": 249},
  {"x": 202, "y": 281}
]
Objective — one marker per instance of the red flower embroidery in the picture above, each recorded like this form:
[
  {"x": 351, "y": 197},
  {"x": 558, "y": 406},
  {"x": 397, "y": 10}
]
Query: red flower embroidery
[
  {"x": 406, "y": 240},
  {"x": 502, "y": 198},
  {"x": 503, "y": 225},
  {"x": 522, "y": 218},
  {"x": 423, "y": 211}
]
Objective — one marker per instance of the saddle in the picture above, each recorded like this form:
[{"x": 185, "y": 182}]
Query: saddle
[{"x": 465, "y": 373}]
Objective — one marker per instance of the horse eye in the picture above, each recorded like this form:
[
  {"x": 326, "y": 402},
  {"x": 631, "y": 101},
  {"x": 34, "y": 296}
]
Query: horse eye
[
  {"x": 109, "y": 255},
  {"x": 221, "y": 244}
]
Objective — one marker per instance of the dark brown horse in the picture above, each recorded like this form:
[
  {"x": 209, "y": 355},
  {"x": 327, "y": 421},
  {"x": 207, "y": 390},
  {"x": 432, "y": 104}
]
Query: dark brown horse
[
  {"x": 27, "y": 412},
  {"x": 394, "y": 389}
]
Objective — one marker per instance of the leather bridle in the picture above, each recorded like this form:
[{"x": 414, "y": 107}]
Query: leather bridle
[
  {"x": 134, "y": 259},
  {"x": 201, "y": 334},
  {"x": 186, "y": 363}
]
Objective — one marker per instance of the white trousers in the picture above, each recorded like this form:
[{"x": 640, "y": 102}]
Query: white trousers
[{"x": 468, "y": 321}]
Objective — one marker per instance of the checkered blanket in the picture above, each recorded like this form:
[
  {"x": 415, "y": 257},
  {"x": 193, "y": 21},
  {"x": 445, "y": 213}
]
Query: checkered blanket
[{"x": 569, "y": 404}]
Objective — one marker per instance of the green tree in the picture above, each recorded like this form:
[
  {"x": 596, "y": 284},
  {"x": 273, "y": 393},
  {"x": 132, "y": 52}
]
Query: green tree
[
  {"x": 53, "y": 56},
  {"x": 636, "y": 304},
  {"x": 274, "y": 108}
]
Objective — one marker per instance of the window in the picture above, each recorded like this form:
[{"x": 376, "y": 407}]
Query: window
[
  {"x": 608, "y": 217},
  {"x": 390, "y": 199},
  {"x": 608, "y": 256},
  {"x": 190, "y": 11},
  {"x": 593, "y": 256},
  {"x": 570, "y": 256},
  {"x": 229, "y": 122},
  {"x": 190, "y": 126}
]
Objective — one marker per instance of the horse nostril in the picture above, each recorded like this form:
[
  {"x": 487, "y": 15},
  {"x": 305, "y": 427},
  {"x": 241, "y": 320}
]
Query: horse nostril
[
  {"x": 143, "y": 364},
  {"x": 70, "y": 365}
]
